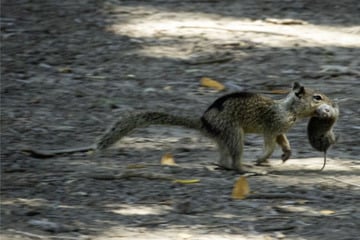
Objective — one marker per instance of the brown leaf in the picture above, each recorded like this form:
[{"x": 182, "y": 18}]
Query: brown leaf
[
  {"x": 211, "y": 83},
  {"x": 168, "y": 159},
  {"x": 241, "y": 188}
]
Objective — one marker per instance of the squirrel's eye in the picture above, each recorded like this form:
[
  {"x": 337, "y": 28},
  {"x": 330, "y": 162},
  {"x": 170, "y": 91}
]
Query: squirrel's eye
[{"x": 317, "y": 97}]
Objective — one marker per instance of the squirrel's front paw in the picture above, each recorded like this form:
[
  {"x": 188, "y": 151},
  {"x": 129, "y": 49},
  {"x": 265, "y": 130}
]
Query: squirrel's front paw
[{"x": 286, "y": 155}]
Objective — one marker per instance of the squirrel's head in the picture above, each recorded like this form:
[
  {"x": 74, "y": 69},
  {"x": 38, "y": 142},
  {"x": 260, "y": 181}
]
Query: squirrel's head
[{"x": 308, "y": 102}]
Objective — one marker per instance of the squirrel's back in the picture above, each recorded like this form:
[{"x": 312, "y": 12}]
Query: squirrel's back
[{"x": 255, "y": 113}]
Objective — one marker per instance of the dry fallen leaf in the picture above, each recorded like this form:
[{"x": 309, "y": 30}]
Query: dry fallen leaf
[
  {"x": 64, "y": 70},
  {"x": 211, "y": 83},
  {"x": 168, "y": 159},
  {"x": 241, "y": 188},
  {"x": 186, "y": 181},
  {"x": 327, "y": 212}
]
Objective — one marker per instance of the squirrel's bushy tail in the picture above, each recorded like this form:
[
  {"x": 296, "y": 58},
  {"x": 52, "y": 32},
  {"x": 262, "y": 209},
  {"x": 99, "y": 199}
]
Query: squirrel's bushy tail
[{"x": 128, "y": 123}]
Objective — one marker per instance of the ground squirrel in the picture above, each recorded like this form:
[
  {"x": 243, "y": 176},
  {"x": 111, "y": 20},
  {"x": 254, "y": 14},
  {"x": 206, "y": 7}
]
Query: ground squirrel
[
  {"x": 320, "y": 128},
  {"x": 226, "y": 121}
]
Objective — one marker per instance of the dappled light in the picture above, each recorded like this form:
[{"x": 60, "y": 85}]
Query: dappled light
[
  {"x": 178, "y": 29},
  {"x": 131, "y": 209}
]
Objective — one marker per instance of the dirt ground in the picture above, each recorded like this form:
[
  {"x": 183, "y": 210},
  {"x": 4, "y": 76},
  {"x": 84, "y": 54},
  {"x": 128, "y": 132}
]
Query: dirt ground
[{"x": 71, "y": 68}]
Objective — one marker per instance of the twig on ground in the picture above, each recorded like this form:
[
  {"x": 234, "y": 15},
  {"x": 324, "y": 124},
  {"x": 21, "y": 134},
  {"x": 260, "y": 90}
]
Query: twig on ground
[
  {"x": 342, "y": 181},
  {"x": 33, "y": 235},
  {"x": 214, "y": 59},
  {"x": 131, "y": 174},
  {"x": 282, "y": 195},
  {"x": 239, "y": 30},
  {"x": 285, "y": 227},
  {"x": 37, "y": 153},
  {"x": 286, "y": 21}
]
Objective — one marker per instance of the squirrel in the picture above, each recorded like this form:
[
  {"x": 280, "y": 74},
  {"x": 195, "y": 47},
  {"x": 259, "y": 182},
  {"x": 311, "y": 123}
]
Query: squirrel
[
  {"x": 226, "y": 121},
  {"x": 320, "y": 128}
]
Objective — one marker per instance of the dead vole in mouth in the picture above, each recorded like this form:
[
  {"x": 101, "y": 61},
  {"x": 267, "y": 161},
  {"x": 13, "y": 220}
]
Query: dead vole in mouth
[{"x": 320, "y": 129}]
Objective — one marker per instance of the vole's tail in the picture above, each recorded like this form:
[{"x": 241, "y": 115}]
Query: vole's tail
[{"x": 128, "y": 123}]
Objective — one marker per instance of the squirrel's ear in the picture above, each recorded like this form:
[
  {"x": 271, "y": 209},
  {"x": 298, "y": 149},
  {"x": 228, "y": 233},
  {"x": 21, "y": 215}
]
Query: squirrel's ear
[
  {"x": 298, "y": 90},
  {"x": 296, "y": 85}
]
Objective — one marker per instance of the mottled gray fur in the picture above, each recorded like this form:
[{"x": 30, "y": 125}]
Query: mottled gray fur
[
  {"x": 230, "y": 117},
  {"x": 226, "y": 121}
]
